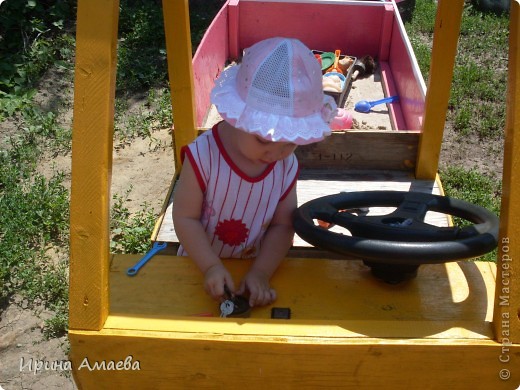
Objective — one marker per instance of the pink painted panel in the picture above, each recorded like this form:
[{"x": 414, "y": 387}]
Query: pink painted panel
[
  {"x": 390, "y": 89},
  {"x": 405, "y": 75},
  {"x": 386, "y": 32},
  {"x": 234, "y": 33},
  {"x": 208, "y": 61},
  {"x": 353, "y": 28}
]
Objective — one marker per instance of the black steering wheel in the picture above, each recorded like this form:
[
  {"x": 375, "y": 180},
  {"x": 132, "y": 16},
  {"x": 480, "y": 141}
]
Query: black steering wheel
[{"x": 401, "y": 237}]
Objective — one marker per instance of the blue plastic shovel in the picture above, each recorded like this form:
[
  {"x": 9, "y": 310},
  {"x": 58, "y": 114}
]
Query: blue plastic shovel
[
  {"x": 157, "y": 247},
  {"x": 366, "y": 106}
]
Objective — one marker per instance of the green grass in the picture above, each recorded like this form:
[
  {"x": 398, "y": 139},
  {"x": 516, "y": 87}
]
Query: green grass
[
  {"x": 130, "y": 233},
  {"x": 420, "y": 33},
  {"x": 477, "y": 102},
  {"x": 473, "y": 187},
  {"x": 34, "y": 209},
  {"x": 34, "y": 219},
  {"x": 142, "y": 52},
  {"x": 152, "y": 113}
]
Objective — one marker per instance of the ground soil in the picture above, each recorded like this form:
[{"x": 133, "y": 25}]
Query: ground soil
[
  {"x": 147, "y": 167},
  {"x": 470, "y": 152}
]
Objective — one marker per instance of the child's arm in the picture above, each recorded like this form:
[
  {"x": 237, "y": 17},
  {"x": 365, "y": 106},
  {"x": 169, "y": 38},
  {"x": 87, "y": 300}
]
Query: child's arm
[
  {"x": 275, "y": 245},
  {"x": 187, "y": 208}
]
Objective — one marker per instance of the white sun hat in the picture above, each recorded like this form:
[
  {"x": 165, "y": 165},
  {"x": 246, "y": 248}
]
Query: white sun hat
[{"x": 276, "y": 93}]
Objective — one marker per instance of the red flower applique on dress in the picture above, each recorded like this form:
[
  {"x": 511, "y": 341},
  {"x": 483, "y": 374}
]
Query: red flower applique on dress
[{"x": 231, "y": 232}]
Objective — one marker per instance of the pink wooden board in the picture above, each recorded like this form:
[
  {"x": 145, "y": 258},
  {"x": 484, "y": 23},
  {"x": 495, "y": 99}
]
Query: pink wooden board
[
  {"x": 354, "y": 29},
  {"x": 209, "y": 60}
]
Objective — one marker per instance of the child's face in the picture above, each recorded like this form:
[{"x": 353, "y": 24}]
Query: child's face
[{"x": 261, "y": 151}]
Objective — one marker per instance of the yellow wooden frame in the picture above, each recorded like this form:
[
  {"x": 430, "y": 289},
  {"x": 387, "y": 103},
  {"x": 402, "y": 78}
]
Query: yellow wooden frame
[
  {"x": 447, "y": 27},
  {"x": 89, "y": 235},
  {"x": 180, "y": 73},
  {"x": 507, "y": 299},
  {"x": 94, "y": 94}
]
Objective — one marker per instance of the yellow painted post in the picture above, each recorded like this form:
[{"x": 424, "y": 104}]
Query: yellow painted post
[
  {"x": 447, "y": 28},
  {"x": 94, "y": 92},
  {"x": 178, "y": 49},
  {"x": 507, "y": 293}
]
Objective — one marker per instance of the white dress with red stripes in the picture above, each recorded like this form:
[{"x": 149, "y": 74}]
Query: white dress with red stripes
[{"x": 237, "y": 209}]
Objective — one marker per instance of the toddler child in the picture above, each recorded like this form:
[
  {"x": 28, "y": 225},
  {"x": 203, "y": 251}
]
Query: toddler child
[{"x": 237, "y": 188}]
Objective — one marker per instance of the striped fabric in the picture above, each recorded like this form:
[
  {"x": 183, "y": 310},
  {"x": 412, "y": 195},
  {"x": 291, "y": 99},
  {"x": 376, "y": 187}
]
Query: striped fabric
[{"x": 237, "y": 209}]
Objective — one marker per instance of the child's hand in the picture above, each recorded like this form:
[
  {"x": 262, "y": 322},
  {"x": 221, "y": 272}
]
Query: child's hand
[
  {"x": 214, "y": 280},
  {"x": 260, "y": 292}
]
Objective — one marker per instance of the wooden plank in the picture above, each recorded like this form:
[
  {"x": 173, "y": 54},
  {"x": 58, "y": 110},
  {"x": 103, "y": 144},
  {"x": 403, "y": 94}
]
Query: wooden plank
[
  {"x": 341, "y": 25},
  {"x": 316, "y": 183},
  {"x": 395, "y": 112},
  {"x": 507, "y": 300},
  {"x": 362, "y": 149},
  {"x": 386, "y": 33},
  {"x": 234, "y": 32},
  {"x": 166, "y": 362},
  {"x": 333, "y": 298},
  {"x": 179, "y": 54},
  {"x": 210, "y": 59},
  {"x": 406, "y": 81},
  {"x": 447, "y": 27},
  {"x": 94, "y": 91}
]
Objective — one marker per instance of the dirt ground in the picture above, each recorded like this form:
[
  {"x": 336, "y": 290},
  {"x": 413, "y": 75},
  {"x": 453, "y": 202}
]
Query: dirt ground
[{"x": 146, "y": 166}]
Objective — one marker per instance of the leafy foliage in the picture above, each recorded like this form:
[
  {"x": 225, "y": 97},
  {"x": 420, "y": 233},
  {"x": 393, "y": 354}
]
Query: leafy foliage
[
  {"x": 142, "y": 47},
  {"x": 130, "y": 233},
  {"x": 34, "y": 217},
  {"x": 32, "y": 37},
  {"x": 141, "y": 52}
]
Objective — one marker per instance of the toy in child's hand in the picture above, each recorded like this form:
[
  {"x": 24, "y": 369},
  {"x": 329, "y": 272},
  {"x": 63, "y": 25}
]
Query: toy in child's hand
[
  {"x": 226, "y": 308},
  {"x": 234, "y": 305}
]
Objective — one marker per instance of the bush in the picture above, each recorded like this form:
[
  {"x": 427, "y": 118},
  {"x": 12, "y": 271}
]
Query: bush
[{"x": 28, "y": 32}]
